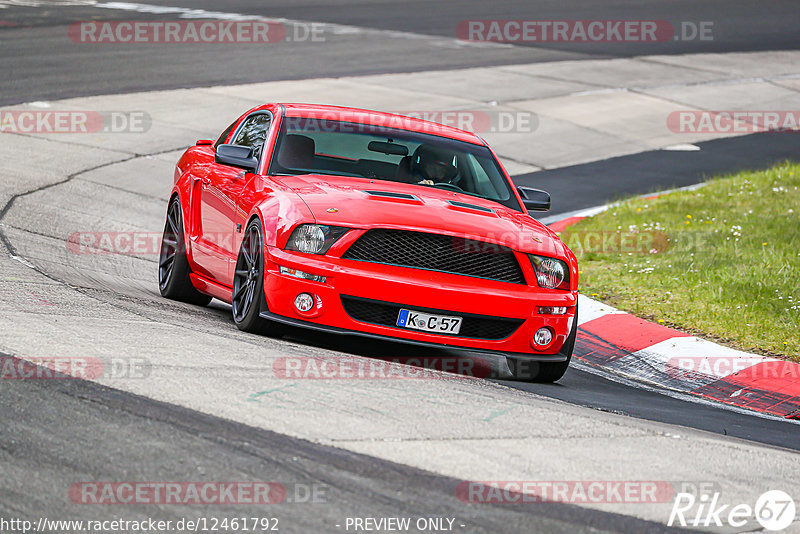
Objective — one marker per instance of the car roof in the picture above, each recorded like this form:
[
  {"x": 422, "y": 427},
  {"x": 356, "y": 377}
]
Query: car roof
[{"x": 377, "y": 118}]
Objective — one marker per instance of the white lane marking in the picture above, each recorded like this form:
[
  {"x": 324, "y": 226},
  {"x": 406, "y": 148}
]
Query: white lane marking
[
  {"x": 23, "y": 261},
  {"x": 590, "y": 212},
  {"x": 603, "y": 91},
  {"x": 182, "y": 12},
  {"x": 683, "y": 147},
  {"x": 590, "y": 309},
  {"x": 194, "y": 13},
  {"x": 699, "y": 356},
  {"x": 661, "y": 389},
  {"x": 39, "y": 3},
  {"x": 336, "y": 29}
]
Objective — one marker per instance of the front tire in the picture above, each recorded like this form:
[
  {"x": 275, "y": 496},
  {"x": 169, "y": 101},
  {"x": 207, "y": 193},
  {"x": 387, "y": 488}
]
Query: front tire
[
  {"x": 173, "y": 267},
  {"x": 545, "y": 372},
  {"x": 248, "y": 299}
]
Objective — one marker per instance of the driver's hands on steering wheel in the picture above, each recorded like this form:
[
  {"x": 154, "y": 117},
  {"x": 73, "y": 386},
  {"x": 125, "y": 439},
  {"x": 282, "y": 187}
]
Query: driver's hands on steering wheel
[
  {"x": 425, "y": 182},
  {"x": 448, "y": 185}
]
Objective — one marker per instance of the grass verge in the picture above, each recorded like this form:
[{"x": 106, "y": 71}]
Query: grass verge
[{"x": 722, "y": 261}]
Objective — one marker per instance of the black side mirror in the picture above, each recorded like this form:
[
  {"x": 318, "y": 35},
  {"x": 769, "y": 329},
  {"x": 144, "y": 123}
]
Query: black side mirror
[
  {"x": 534, "y": 199},
  {"x": 237, "y": 156}
]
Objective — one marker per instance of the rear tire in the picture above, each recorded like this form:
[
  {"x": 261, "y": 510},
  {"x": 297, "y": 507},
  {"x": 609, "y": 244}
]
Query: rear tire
[
  {"x": 248, "y": 299},
  {"x": 173, "y": 267},
  {"x": 545, "y": 372}
]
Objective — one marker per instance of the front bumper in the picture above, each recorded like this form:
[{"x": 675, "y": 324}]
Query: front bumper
[{"x": 417, "y": 290}]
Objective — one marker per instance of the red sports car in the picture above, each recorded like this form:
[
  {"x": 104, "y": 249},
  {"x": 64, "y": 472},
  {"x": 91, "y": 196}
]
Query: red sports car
[{"x": 357, "y": 222}]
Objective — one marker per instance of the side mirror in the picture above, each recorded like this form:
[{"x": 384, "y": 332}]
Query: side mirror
[
  {"x": 534, "y": 199},
  {"x": 236, "y": 156},
  {"x": 204, "y": 142}
]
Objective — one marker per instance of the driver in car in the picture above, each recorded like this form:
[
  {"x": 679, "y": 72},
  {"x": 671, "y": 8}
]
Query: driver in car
[{"x": 433, "y": 165}]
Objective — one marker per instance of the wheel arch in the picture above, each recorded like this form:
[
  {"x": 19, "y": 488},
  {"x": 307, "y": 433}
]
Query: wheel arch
[
  {"x": 280, "y": 213},
  {"x": 186, "y": 222}
]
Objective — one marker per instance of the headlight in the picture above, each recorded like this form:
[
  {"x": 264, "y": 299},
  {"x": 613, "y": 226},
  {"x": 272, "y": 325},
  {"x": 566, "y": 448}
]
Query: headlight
[
  {"x": 550, "y": 272},
  {"x": 314, "y": 238}
]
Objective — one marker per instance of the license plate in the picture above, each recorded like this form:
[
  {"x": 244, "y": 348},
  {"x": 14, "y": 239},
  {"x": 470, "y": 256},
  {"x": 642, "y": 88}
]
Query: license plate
[{"x": 426, "y": 322}]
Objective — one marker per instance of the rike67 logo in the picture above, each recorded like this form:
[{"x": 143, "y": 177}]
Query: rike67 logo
[{"x": 773, "y": 510}]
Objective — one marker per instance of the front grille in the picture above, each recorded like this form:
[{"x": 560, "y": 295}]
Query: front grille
[
  {"x": 473, "y": 326},
  {"x": 435, "y": 252}
]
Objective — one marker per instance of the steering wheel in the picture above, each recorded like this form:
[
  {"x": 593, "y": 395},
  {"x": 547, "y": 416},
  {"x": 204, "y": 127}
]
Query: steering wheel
[{"x": 448, "y": 185}]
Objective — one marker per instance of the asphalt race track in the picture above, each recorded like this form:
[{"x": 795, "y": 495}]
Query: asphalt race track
[
  {"x": 576, "y": 187},
  {"x": 62, "y": 431},
  {"x": 402, "y": 38},
  {"x": 371, "y": 450}
]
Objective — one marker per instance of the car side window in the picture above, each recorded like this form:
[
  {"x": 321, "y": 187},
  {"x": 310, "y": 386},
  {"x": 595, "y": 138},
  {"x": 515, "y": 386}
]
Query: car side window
[
  {"x": 224, "y": 135},
  {"x": 253, "y": 132}
]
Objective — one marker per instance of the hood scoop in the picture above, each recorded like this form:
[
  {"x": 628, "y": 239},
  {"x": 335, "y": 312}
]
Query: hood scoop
[
  {"x": 391, "y": 195},
  {"x": 468, "y": 206}
]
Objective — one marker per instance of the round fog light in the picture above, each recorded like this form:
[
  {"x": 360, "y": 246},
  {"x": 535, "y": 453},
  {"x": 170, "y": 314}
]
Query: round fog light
[
  {"x": 304, "y": 302},
  {"x": 543, "y": 337}
]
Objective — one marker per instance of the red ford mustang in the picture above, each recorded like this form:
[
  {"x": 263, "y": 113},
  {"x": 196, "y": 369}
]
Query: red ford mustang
[{"x": 358, "y": 222}]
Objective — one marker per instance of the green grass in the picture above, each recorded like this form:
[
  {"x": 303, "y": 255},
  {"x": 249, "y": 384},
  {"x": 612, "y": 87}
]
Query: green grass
[{"x": 721, "y": 261}]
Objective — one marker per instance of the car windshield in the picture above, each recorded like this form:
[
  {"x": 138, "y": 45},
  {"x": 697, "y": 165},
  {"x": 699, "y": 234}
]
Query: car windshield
[{"x": 322, "y": 146}]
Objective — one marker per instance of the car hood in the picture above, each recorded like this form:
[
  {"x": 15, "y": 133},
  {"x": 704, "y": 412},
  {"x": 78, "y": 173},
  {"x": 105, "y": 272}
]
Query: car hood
[{"x": 364, "y": 203}]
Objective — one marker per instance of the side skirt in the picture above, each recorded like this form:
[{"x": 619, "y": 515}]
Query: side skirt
[{"x": 210, "y": 287}]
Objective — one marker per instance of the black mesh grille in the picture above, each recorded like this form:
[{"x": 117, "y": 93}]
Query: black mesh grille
[
  {"x": 473, "y": 326},
  {"x": 435, "y": 252}
]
